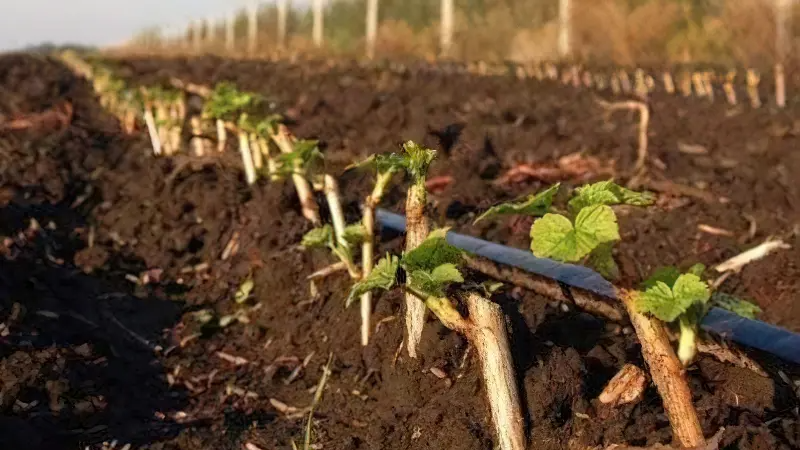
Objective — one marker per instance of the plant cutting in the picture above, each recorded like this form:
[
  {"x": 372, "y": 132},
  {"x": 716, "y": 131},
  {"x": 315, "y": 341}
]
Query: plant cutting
[
  {"x": 427, "y": 273},
  {"x": 385, "y": 167},
  {"x": 586, "y": 232},
  {"x": 294, "y": 160},
  {"x": 230, "y": 107},
  {"x": 168, "y": 115},
  {"x": 150, "y": 121},
  {"x": 417, "y": 229}
]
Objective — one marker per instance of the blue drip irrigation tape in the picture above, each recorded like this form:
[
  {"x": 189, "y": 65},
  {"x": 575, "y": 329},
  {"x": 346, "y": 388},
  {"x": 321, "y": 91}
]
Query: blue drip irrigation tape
[{"x": 752, "y": 333}]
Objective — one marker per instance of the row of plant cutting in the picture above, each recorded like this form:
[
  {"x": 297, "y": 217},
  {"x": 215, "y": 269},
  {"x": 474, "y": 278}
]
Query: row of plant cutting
[{"x": 429, "y": 272}]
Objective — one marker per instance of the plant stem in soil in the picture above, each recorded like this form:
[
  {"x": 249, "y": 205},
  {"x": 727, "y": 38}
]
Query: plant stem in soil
[
  {"x": 197, "y": 136},
  {"x": 309, "y": 206},
  {"x": 222, "y": 135},
  {"x": 486, "y": 331},
  {"x": 667, "y": 373},
  {"x": 489, "y": 336},
  {"x": 417, "y": 228},
  {"x": 258, "y": 155},
  {"x": 152, "y": 131},
  {"x": 247, "y": 158},
  {"x": 368, "y": 249}
]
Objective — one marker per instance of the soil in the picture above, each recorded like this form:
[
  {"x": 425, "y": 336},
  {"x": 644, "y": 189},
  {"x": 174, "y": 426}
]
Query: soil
[{"x": 107, "y": 295}]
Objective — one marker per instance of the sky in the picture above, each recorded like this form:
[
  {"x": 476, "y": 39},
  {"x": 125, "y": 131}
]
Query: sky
[{"x": 98, "y": 22}]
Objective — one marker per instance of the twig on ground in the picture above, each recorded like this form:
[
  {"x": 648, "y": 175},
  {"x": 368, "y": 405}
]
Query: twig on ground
[
  {"x": 326, "y": 372},
  {"x": 716, "y": 231},
  {"x": 644, "y": 121},
  {"x": 736, "y": 263},
  {"x": 328, "y": 270},
  {"x": 683, "y": 190}
]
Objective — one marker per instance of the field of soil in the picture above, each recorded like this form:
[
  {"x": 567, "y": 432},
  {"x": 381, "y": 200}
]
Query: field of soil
[{"x": 112, "y": 264}]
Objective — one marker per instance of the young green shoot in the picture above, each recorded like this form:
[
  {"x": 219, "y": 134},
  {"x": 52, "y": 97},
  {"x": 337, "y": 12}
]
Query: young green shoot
[
  {"x": 325, "y": 237},
  {"x": 673, "y": 297}
]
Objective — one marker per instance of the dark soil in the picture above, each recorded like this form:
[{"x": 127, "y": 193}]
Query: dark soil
[{"x": 88, "y": 355}]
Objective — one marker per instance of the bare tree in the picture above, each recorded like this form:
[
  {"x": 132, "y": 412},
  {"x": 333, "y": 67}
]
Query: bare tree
[
  {"x": 564, "y": 28},
  {"x": 252, "y": 26},
  {"x": 372, "y": 26},
  {"x": 782, "y": 47},
  {"x": 318, "y": 22},
  {"x": 446, "y": 37},
  {"x": 230, "y": 34},
  {"x": 283, "y": 13}
]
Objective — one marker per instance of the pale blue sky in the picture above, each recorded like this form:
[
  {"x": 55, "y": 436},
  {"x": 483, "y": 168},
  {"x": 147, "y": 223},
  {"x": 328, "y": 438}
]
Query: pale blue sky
[{"x": 98, "y": 22}]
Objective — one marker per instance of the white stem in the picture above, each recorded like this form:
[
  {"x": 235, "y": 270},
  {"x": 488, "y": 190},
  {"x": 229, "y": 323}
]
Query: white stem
[
  {"x": 197, "y": 140},
  {"x": 687, "y": 342},
  {"x": 669, "y": 86},
  {"x": 222, "y": 135},
  {"x": 162, "y": 115},
  {"x": 272, "y": 166},
  {"x": 335, "y": 206},
  {"x": 367, "y": 250},
  {"x": 175, "y": 130},
  {"x": 247, "y": 158},
  {"x": 780, "y": 86},
  {"x": 150, "y": 121},
  {"x": 488, "y": 335},
  {"x": 258, "y": 157}
]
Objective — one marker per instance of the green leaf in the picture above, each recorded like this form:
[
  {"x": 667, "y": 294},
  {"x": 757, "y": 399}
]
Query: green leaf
[
  {"x": 735, "y": 305},
  {"x": 306, "y": 152},
  {"x": 387, "y": 163},
  {"x": 667, "y": 304},
  {"x": 554, "y": 236},
  {"x": 432, "y": 253},
  {"x": 447, "y": 273},
  {"x": 608, "y": 193},
  {"x": 226, "y": 102},
  {"x": 435, "y": 283},
  {"x": 244, "y": 290},
  {"x": 419, "y": 160},
  {"x": 535, "y": 205},
  {"x": 490, "y": 287},
  {"x": 667, "y": 275},
  {"x": 268, "y": 125},
  {"x": 318, "y": 237},
  {"x": 381, "y": 277},
  {"x": 602, "y": 260},
  {"x": 697, "y": 269},
  {"x": 355, "y": 234}
]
